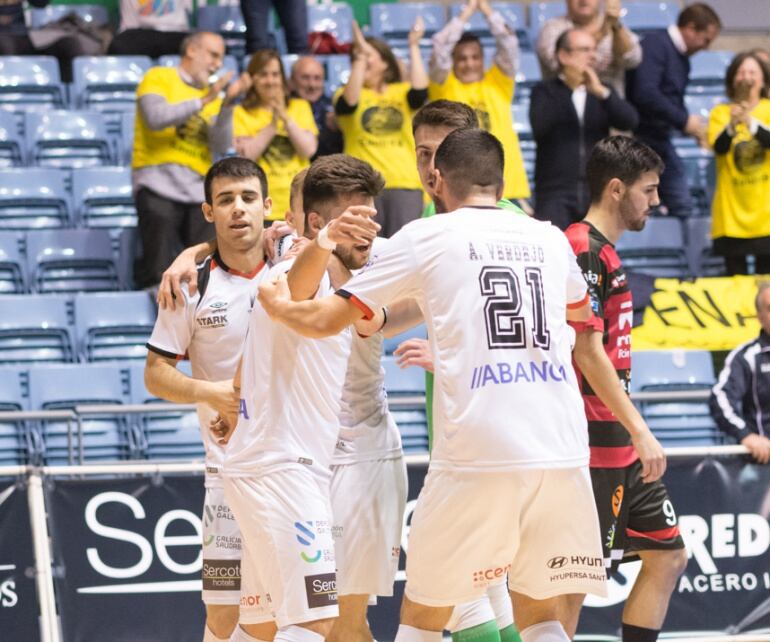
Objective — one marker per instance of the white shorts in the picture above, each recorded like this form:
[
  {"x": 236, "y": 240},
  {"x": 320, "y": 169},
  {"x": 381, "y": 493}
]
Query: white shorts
[
  {"x": 285, "y": 521},
  {"x": 221, "y": 550},
  {"x": 469, "y": 529},
  {"x": 368, "y": 502}
]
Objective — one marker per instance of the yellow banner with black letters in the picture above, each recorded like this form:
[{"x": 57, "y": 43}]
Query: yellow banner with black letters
[{"x": 704, "y": 314}]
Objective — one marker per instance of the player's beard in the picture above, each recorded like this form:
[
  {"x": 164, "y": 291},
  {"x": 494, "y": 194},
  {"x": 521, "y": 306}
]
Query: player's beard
[
  {"x": 350, "y": 259},
  {"x": 632, "y": 221}
]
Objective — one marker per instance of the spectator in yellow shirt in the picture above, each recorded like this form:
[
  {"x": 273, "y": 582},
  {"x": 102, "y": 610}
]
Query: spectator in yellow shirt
[
  {"x": 457, "y": 73},
  {"x": 739, "y": 132},
  {"x": 272, "y": 128},
  {"x": 374, "y": 112}
]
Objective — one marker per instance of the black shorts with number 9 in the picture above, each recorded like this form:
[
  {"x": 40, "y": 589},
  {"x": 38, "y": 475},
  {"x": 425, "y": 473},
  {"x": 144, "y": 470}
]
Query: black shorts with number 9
[{"x": 633, "y": 516}]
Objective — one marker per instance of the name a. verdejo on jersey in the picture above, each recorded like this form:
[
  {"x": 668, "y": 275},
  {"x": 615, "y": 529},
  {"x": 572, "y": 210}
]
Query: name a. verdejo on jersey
[{"x": 500, "y": 373}]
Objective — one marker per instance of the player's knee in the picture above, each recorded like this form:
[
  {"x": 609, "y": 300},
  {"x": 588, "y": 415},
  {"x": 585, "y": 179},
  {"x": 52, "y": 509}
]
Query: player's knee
[
  {"x": 668, "y": 565},
  {"x": 420, "y": 616},
  {"x": 321, "y": 627},
  {"x": 222, "y": 619}
]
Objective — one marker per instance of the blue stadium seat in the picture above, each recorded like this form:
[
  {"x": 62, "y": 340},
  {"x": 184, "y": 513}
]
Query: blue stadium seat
[
  {"x": 700, "y": 168},
  {"x": 337, "y": 71},
  {"x": 12, "y": 265},
  {"x": 513, "y": 13},
  {"x": 390, "y": 344},
  {"x": 30, "y": 80},
  {"x": 520, "y": 115},
  {"x": 676, "y": 423},
  {"x": 103, "y": 198},
  {"x": 113, "y": 325},
  {"x": 19, "y": 443},
  {"x": 527, "y": 76},
  {"x": 169, "y": 435},
  {"x": 703, "y": 261},
  {"x": 105, "y": 436},
  {"x": 34, "y": 198},
  {"x": 71, "y": 261},
  {"x": 410, "y": 417},
  {"x": 67, "y": 139},
  {"x": 12, "y": 150},
  {"x": 542, "y": 12},
  {"x": 230, "y": 63},
  {"x": 107, "y": 83},
  {"x": 126, "y": 146},
  {"x": 226, "y": 21},
  {"x": 393, "y": 22},
  {"x": 36, "y": 329},
  {"x": 707, "y": 72},
  {"x": 92, "y": 14},
  {"x": 645, "y": 16},
  {"x": 658, "y": 250},
  {"x": 335, "y": 18}
]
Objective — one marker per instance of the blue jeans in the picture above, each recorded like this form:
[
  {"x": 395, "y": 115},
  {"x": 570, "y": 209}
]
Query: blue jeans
[
  {"x": 674, "y": 191},
  {"x": 293, "y": 17}
]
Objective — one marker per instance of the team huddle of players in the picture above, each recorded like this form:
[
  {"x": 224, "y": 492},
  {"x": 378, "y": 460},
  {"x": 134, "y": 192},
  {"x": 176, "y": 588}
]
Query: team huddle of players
[{"x": 305, "y": 477}]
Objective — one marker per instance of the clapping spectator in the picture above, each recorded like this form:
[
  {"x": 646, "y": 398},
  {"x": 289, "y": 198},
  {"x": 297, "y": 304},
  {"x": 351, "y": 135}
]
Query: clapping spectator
[
  {"x": 307, "y": 81},
  {"x": 739, "y": 132},
  {"x": 617, "y": 48},
  {"x": 457, "y": 73},
  {"x": 151, "y": 28},
  {"x": 570, "y": 114},
  {"x": 741, "y": 397},
  {"x": 272, "y": 128},
  {"x": 374, "y": 111},
  {"x": 657, "y": 88},
  {"x": 173, "y": 136}
]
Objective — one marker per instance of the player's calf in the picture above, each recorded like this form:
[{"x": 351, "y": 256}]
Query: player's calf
[
  {"x": 351, "y": 625},
  {"x": 475, "y": 621},
  {"x": 221, "y": 620}
]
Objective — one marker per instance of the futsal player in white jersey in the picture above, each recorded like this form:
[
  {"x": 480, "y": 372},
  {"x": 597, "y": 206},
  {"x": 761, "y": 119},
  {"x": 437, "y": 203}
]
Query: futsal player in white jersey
[
  {"x": 210, "y": 327},
  {"x": 277, "y": 462},
  {"x": 508, "y": 480}
]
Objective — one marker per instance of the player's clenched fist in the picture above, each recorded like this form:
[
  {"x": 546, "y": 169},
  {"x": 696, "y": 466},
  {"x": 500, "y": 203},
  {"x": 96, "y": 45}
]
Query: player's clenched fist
[{"x": 272, "y": 293}]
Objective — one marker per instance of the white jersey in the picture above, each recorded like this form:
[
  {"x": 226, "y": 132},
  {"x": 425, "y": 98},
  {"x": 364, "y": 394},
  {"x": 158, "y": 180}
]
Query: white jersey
[
  {"x": 210, "y": 328},
  {"x": 290, "y": 395},
  {"x": 494, "y": 290}
]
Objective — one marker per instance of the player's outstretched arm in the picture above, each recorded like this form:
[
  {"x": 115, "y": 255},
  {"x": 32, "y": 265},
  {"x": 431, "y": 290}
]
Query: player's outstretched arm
[
  {"x": 317, "y": 318},
  {"x": 597, "y": 368},
  {"x": 184, "y": 269},
  {"x": 402, "y": 316},
  {"x": 166, "y": 382}
]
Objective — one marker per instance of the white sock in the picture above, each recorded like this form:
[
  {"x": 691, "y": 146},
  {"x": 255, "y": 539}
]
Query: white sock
[
  {"x": 208, "y": 636},
  {"x": 470, "y": 614},
  {"x": 551, "y": 631},
  {"x": 239, "y": 635},
  {"x": 295, "y": 633},
  {"x": 410, "y": 634},
  {"x": 500, "y": 600}
]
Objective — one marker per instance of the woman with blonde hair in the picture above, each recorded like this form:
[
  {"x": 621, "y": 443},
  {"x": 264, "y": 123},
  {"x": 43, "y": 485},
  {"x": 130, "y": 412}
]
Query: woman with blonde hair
[
  {"x": 374, "y": 111},
  {"x": 739, "y": 132}
]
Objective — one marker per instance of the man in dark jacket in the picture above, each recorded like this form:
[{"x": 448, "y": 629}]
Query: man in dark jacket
[
  {"x": 740, "y": 401},
  {"x": 657, "y": 88},
  {"x": 569, "y": 114}
]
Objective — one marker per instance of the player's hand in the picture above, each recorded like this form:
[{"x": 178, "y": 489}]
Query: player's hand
[
  {"x": 759, "y": 447},
  {"x": 182, "y": 270},
  {"x": 273, "y": 293},
  {"x": 297, "y": 245},
  {"x": 612, "y": 11},
  {"x": 651, "y": 455},
  {"x": 217, "y": 88},
  {"x": 271, "y": 234},
  {"x": 414, "y": 352},
  {"x": 222, "y": 397},
  {"x": 222, "y": 428},
  {"x": 354, "y": 226},
  {"x": 237, "y": 89},
  {"x": 740, "y": 113},
  {"x": 593, "y": 85}
]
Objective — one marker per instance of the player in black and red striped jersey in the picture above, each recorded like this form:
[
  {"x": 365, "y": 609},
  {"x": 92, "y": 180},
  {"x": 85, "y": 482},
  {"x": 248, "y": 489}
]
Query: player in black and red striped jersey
[{"x": 636, "y": 515}]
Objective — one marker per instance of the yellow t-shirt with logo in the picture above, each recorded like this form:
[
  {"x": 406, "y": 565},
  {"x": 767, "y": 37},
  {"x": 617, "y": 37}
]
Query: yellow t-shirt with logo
[
  {"x": 379, "y": 131},
  {"x": 280, "y": 160},
  {"x": 185, "y": 144},
  {"x": 741, "y": 206},
  {"x": 491, "y": 98}
]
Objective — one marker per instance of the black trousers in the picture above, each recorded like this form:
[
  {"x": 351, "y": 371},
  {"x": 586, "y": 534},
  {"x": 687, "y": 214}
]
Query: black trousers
[
  {"x": 562, "y": 208},
  {"x": 166, "y": 227},
  {"x": 147, "y": 42}
]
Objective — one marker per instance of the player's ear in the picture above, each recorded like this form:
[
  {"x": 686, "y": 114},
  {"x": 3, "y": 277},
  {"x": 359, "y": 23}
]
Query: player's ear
[
  {"x": 208, "y": 212},
  {"x": 501, "y": 190},
  {"x": 267, "y": 205},
  {"x": 616, "y": 189},
  {"x": 314, "y": 224}
]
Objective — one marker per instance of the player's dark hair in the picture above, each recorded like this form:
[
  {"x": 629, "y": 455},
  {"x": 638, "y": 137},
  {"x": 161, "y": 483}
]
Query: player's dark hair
[
  {"x": 732, "y": 71},
  {"x": 445, "y": 113},
  {"x": 700, "y": 15},
  {"x": 469, "y": 159},
  {"x": 620, "y": 157},
  {"x": 234, "y": 167},
  {"x": 295, "y": 191},
  {"x": 337, "y": 175}
]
